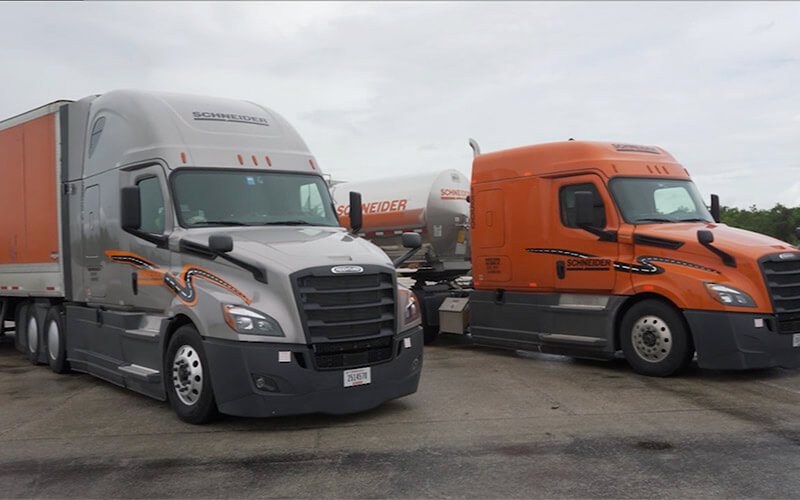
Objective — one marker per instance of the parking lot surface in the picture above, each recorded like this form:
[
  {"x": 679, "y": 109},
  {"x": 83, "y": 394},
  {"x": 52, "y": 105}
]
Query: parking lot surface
[{"x": 484, "y": 424}]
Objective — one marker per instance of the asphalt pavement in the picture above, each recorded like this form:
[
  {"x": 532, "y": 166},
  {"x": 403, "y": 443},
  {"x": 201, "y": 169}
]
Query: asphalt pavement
[{"x": 485, "y": 423}]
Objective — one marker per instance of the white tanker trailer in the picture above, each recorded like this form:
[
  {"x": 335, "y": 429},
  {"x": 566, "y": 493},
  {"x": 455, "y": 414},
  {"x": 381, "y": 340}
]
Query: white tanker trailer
[{"x": 436, "y": 206}]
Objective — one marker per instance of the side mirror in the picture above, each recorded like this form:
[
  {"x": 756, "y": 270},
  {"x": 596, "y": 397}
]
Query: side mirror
[
  {"x": 584, "y": 208},
  {"x": 220, "y": 243},
  {"x": 355, "y": 212},
  {"x": 705, "y": 237},
  {"x": 715, "y": 214},
  {"x": 797, "y": 232},
  {"x": 130, "y": 212},
  {"x": 411, "y": 240}
]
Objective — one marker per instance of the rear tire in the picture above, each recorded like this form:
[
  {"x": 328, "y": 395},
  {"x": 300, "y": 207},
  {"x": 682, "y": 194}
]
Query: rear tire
[
  {"x": 56, "y": 347},
  {"x": 186, "y": 378},
  {"x": 20, "y": 338},
  {"x": 655, "y": 339},
  {"x": 32, "y": 334}
]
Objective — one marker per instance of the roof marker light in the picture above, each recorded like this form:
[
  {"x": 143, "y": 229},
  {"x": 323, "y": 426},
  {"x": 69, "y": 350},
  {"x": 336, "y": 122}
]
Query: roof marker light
[
  {"x": 532, "y": 285},
  {"x": 255, "y": 162},
  {"x": 269, "y": 163},
  {"x": 527, "y": 174},
  {"x": 311, "y": 162},
  {"x": 241, "y": 160},
  {"x": 183, "y": 157}
]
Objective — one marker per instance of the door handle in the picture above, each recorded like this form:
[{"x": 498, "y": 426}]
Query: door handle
[{"x": 560, "y": 269}]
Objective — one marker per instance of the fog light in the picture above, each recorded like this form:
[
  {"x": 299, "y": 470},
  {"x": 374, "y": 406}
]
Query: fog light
[{"x": 265, "y": 383}]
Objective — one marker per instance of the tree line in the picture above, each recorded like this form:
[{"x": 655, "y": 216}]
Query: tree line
[{"x": 779, "y": 221}]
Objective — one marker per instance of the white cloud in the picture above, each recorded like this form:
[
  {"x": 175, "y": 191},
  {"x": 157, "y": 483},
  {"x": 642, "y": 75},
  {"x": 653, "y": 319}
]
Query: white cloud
[{"x": 381, "y": 88}]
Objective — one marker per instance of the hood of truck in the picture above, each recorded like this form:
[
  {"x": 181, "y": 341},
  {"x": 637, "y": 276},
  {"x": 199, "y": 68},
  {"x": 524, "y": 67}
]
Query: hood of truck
[
  {"x": 296, "y": 247},
  {"x": 740, "y": 243}
]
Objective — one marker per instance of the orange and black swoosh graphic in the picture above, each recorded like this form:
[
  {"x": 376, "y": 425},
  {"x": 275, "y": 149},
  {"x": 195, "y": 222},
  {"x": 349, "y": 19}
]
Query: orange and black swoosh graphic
[{"x": 182, "y": 285}]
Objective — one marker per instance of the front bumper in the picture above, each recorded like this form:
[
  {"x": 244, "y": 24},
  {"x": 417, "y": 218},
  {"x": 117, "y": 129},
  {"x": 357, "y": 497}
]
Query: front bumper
[
  {"x": 732, "y": 341},
  {"x": 295, "y": 389}
]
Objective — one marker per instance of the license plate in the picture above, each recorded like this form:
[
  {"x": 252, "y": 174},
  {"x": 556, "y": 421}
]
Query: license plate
[
  {"x": 357, "y": 376},
  {"x": 796, "y": 340}
]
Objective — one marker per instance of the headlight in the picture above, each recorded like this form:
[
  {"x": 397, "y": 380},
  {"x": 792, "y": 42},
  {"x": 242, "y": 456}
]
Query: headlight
[
  {"x": 729, "y": 296},
  {"x": 409, "y": 310},
  {"x": 246, "y": 320}
]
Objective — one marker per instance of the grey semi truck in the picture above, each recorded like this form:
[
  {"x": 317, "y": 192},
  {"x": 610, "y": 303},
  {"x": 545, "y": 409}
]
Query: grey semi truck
[{"x": 187, "y": 248}]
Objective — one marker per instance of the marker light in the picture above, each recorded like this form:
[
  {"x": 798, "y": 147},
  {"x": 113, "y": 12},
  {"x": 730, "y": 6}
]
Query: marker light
[
  {"x": 729, "y": 296},
  {"x": 241, "y": 160}
]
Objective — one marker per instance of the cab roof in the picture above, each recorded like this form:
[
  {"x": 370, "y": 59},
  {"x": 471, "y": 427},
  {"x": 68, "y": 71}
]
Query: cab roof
[{"x": 559, "y": 158}]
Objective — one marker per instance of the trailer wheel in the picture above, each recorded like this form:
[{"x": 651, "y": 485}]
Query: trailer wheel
[
  {"x": 32, "y": 334},
  {"x": 56, "y": 345},
  {"x": 655, "y": 339},
  {"x": 186, "y": 374}
]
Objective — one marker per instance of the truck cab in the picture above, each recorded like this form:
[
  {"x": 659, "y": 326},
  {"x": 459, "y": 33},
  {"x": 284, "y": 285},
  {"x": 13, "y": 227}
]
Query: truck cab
[
  {"x": 585, "y": 249},
  {"x": 203, "y": 263}
]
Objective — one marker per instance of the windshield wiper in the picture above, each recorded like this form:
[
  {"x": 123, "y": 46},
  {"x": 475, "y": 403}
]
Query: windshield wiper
[
  {"x": 653, "y": 219},
  {"x": 219, "y": 223},
  {"x": 695, "y": 219},
  {"x": 288, "y": 223}
]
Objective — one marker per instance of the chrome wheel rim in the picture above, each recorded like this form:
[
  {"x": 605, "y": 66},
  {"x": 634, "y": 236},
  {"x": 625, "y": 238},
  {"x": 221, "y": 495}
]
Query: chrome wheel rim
[
  {"x": 33, "y": 335},
  {"x": 187, "y": 375},
  {"x": 651, "y": 338},
  {"x": 53, "y": 340}
]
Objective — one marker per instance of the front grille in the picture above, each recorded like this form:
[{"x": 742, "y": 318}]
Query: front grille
[
  {"x": 345, "y": 315},
  {"x": 342, "y": 355},
  {"x": 782, "y": 276}
]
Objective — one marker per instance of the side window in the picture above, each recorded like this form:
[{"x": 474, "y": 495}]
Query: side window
[
  {"x": 152, "y": 205},
  {"x": 97, "y": 129},
  {"x": 566, "y": 200}
]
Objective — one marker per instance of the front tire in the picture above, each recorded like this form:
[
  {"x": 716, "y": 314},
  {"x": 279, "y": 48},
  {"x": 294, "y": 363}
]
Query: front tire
[
  {"x": 187, "y": 380},
  {"x": 56, "y": 347},
  {"x": 655, "y": 339}
]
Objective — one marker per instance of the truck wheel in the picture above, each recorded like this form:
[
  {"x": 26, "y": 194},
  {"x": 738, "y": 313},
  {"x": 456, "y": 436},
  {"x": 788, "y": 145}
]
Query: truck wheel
[
  {"x": 20, "y": 339},
  {"x": 56, "y": 346},
  {"x": 32, "y": 334},
  {"x": 655, "y": 339},
  {"x": 186, "y": 373}
]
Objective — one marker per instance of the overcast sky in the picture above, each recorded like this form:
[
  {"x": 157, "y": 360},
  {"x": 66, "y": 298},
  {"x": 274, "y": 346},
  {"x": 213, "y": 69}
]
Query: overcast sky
[{"x": 378, "y": 89}]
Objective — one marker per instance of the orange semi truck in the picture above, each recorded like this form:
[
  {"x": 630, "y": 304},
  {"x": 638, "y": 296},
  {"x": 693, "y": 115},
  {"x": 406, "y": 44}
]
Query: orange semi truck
[
  {"x": 588, "y": 249},
  {"x": 584, "y": 249}
]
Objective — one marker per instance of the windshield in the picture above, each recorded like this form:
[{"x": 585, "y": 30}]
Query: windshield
[
  {"x": 251, "y": 198},
  {"x": 648, "y": 200}
]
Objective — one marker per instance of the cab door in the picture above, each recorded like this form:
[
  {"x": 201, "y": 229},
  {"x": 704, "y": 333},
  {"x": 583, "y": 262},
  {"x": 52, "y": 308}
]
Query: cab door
[
  {"x": 139, "y": 265},
  {"x": 584, "y": 259}
]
